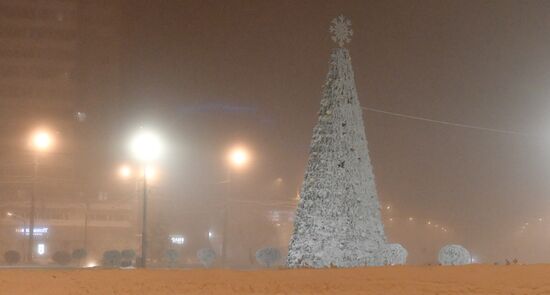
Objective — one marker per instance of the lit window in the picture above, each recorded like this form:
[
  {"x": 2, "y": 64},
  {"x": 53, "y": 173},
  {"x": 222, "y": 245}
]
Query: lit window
[{"x": 41, "y": 249}]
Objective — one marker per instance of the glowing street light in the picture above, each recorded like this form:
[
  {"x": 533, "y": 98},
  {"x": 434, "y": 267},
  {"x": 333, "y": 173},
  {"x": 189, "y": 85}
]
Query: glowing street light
[
  {"x": 125, "y": 171},
  {"x": 239, "y": 157},
  {"x": 146, "y": 146},
  {"x": 150, "y": 172},
  {"x": 41, "y": 140}
]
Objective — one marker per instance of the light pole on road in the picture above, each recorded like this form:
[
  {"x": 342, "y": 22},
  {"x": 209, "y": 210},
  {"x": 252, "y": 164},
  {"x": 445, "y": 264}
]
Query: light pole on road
[
  {"x": 238, "y": 158},
  {"x": 41, "y": 142},
  {"x": 146, "y": 147}
]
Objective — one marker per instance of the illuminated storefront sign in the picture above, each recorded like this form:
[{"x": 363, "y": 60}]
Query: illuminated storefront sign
[
  {"x": 177, "y": 239},
  {"x": 38, "y": 231}
]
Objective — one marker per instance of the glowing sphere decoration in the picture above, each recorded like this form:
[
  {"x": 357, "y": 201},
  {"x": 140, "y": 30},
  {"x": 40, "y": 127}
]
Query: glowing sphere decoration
[
  {"x": 454, "y": 255},
  {"x": 391, "y": 254}
]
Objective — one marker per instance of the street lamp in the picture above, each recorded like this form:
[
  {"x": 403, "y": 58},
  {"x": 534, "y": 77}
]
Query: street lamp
[
  {"x": 125, "y": 171},
  {"x": 150, "y": 172},
  {"x": 238, "y": 158},
  {"x": 40, "y": 141},
  {"x": 146, "y": 146}
]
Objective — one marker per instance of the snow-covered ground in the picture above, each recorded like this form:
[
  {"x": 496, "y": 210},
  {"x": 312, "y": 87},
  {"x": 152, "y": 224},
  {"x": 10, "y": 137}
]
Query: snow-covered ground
[{"x": 402, "y": 280}]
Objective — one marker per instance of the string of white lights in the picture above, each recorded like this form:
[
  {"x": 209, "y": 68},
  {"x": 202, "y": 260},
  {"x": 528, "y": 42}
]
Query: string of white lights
[
  {"x": 532, "y": 222},
  {"x": 411, "y": 117},
  {"x": 391, "y": 217}
]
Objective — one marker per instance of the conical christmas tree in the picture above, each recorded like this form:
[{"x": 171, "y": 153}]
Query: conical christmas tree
[{"x": 338, "y": 218}]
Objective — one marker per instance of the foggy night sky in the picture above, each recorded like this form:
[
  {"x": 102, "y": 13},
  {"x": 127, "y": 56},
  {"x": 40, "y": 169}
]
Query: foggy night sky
[{"x": 214, "y": 73}]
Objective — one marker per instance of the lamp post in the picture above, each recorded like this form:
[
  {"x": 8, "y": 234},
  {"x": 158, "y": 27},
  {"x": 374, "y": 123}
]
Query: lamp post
[
  {"x": 238, "y": 158},
  {"x": 41, "y": 141},
  {"x": 146, "y": 147}
]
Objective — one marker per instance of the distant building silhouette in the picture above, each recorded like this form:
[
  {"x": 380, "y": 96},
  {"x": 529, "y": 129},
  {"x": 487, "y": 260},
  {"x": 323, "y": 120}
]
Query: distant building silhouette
[{"x": 59, "y": 69}]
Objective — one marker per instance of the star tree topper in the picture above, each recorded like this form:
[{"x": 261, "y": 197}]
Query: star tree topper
[{"x": 340, "y": 28}]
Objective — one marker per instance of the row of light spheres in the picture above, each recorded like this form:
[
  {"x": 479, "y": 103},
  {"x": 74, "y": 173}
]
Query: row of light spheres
[{"x": 412, "y": 219}]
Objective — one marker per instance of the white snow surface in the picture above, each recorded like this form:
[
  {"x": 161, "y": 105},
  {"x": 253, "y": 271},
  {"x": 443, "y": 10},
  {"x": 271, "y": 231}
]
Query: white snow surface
[{"x": 338, "y": 218}]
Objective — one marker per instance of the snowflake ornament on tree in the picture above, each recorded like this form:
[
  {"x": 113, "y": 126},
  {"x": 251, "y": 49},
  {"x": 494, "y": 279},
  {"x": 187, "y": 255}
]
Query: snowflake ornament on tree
[{"x": 341, "y": 30}]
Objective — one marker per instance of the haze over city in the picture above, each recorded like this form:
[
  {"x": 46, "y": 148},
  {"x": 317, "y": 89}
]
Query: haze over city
[
  {"x": 260, "y": 66},
  {"x": 275, "y": 134}
]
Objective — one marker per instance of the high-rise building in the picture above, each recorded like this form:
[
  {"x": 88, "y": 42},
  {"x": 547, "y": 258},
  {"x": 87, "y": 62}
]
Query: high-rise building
[
  {"x": 38, "y": 60},
  {"x": 59, "y": 70}
]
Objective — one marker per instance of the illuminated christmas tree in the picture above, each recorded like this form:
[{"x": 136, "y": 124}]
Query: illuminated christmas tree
[{"x": 338, "y": 218}]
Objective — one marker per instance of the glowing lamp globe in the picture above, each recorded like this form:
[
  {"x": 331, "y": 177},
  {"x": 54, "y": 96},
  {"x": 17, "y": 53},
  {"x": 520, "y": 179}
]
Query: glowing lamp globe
[
  {"x": 239, "y": 157},
  {"x": 125, "y": 171},
  {"x": 150, "y": 172},
  {"x": 41, "y": 140},
  {"x": 146, "y": 146}
]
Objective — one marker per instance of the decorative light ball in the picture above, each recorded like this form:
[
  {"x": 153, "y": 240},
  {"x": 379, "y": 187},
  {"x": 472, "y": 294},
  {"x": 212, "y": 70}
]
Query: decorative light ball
[
  {"x": 454, "y": 255},
  {"x": 391, "y": 254},
  {"x": 206, "y": 256},
  {"x": 268, "y": 256}
]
